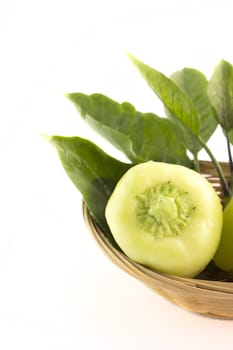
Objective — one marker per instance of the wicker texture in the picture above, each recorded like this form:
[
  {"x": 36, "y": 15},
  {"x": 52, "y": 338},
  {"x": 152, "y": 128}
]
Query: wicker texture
[{"x": 212, "y": 298}]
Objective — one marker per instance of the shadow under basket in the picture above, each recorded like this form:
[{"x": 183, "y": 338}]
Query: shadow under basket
[{"x": 209, "y": 294}]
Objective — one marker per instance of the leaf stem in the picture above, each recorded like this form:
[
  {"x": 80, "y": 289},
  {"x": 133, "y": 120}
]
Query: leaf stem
[
  {"x": 217, "y": 166},
  {"x": 230, "y": 164},
  {"x": 229, "y": 153},
  {"x": 196, "y": 163}
]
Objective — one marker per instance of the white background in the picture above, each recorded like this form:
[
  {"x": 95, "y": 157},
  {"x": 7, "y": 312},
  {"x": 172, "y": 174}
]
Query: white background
[{"x": 57, "y": 290}]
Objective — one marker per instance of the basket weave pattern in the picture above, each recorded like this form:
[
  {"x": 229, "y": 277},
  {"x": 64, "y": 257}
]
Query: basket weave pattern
[{"x": 212, "y": 298}]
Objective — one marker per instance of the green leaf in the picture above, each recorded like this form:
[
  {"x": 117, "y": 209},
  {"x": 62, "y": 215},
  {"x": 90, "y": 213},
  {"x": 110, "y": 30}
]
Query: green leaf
[
  {"x": 221, "y": 95},
  {"x": 139, "y": 136},
  {"x": 195, "y": 85},
  {"x": 171, "y": 95},
  {"x": 190, "y": 141},
  {"x": 92, "y": 171}
]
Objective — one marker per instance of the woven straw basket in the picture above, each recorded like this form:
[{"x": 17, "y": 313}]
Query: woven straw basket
[{"x": 210, "y": 295}]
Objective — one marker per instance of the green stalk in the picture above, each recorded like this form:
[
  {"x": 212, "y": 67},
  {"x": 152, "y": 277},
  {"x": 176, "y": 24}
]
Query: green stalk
[
  {"x": 231, "y": 185},
  {"x": 196, "y": 163},
  {"x": 229, "y": 153},
  {"x": 230, "y": 164},
  {"x": 217, "y": 166}
]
